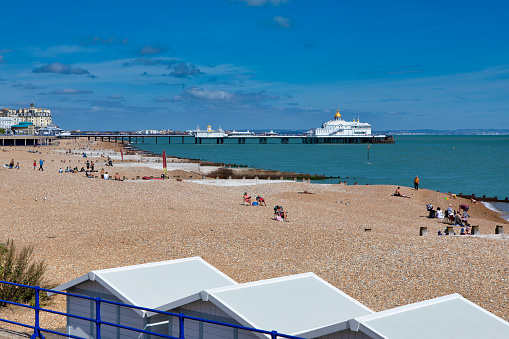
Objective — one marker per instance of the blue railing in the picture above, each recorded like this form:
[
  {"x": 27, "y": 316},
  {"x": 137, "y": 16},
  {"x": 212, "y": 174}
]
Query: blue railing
[{"x": 38, "y": 330}]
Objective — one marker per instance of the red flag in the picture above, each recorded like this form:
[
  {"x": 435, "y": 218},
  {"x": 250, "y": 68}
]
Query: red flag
[{"x": 164, "y": 163}]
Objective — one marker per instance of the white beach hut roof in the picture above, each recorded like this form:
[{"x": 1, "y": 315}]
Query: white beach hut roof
[
  {"x": 301, "y": 305},
  {"x": 451, "y": 316},
  {"x": 160, "y": 285}
]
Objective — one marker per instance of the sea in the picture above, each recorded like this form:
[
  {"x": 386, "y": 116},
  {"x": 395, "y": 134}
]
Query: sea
[{"x": 459, "y": 164}]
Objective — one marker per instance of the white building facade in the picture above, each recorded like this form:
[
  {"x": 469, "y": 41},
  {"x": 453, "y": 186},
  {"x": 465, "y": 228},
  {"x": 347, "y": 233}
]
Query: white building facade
[
  {"x": 40, "y": 117},
  {"x": 339, "y": 127},
  {"x": 208, "y": 133},
  {"x": 7, "y": 122}
]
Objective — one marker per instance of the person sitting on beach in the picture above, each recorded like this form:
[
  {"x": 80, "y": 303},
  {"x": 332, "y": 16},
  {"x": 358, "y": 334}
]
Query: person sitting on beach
[
  {"x": 260, "y": 201},
  {"x": 106, "y": 176},
  {"x": 17, "y": 165},
  {"x": 449, "y": 211},
  {"x": 280, "y": 213},
  {"x": 117, "y": 176},
  {"x": 464, "y": 218},
  {"x": 457, "y": 220},
  {"x": 82, "y": 169},
  {"x": 11, "y": 164},
  {"x": 247, "y": 199},
  {"x": 464, "y": 207},
  {"x": 398, "y": 193},
  {"x": 432, "y": 212},
  {"x": 439, "y": 213},
  {"x": 60, "y": 170}
]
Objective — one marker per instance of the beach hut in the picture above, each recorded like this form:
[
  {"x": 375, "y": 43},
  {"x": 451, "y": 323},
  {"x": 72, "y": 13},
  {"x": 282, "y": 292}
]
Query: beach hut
[
  {"x": 302, "y": 305},
  {"x": 164, "y": 286},
  {"x": 451, "y": 316}
]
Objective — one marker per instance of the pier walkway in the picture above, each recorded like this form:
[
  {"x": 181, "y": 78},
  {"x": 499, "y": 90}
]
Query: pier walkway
[{"x": 240, "y": 139}]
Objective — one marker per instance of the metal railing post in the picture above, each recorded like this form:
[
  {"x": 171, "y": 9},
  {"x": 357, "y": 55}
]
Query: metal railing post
[
  {"x": 181, "y": 325},
  {"x": 273, "y": 334},
  {"x": 98, "y": 318},
  {"x": 37, "y": 329}
]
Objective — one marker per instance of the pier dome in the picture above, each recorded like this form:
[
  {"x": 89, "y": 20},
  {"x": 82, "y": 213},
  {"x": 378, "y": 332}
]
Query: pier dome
[{"x": 337, "y": 115}]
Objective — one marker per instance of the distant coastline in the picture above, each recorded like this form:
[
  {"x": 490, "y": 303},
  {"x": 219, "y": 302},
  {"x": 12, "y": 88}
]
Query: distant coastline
[{"x": 446, "y": 132}]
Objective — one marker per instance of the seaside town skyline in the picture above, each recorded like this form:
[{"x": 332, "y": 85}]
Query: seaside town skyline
[{"x": 241, "y": 64}]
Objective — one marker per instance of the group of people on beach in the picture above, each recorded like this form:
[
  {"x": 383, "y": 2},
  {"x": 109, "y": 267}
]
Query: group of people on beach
[
  {"x": 279, "y": 213},
  {"x": 259, "y": 200},
  {"x": 12, "y": 166},
  {"x": 457, "y": 217}
]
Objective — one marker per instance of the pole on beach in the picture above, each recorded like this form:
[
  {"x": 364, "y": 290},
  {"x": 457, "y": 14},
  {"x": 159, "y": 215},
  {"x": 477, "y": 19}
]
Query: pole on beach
[{"x": 165, "y": 169}]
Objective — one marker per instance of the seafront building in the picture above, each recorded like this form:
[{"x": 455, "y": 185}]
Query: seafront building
[
  {"x": 340, "y": 127},
  {"x": 39, "y": 117},
  {"x": 7, "y": 121},
  {"x": 208, "y": 133}
]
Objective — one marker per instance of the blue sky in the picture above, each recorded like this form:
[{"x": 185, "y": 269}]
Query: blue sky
[{"x": 176, "y": 64}]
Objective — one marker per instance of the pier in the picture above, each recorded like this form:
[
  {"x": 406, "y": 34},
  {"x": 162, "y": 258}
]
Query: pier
[
  {"x": 26, "y": 140},
  {"x": 239, "y": 139}
]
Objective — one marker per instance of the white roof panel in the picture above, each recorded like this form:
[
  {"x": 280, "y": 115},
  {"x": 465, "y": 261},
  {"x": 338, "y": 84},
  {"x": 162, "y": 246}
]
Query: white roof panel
[
  {"x": 160, "y": 285},
  {"x": 300, "y": 305},
  {"x": 436, "y": 318}
]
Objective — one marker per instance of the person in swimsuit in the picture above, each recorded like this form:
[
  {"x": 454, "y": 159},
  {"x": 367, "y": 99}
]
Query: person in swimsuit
[{"x": 260, "y": 201}]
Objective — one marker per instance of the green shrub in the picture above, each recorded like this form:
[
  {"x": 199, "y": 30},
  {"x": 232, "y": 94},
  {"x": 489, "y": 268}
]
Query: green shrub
[{"x": 19, "y": 267}]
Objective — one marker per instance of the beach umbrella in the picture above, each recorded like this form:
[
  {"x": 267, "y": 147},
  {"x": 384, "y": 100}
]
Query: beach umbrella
[{"x": 164, "y": 164}]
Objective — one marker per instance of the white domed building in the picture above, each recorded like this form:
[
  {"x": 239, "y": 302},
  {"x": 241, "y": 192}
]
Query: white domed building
[{"x": 339, "y": 127}]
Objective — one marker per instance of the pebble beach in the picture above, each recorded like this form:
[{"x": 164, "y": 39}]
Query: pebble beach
[{"x": 358, "y": 238}]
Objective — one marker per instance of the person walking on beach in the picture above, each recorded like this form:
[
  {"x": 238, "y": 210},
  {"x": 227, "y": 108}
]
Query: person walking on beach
[
  {"x": 416, "y": 182},
  {"x": 88, "y": 165},
  {"x": 91, "y": 166},
  {"x": 35, "y": 164},
  {"x": 41, "y": 162}
]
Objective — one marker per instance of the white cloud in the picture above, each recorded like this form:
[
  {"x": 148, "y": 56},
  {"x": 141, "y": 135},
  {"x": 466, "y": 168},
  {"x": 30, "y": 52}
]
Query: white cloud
[
  {"x": 59, "y": 68},
  {"x": 205, "y": 94},
  {"x": 282, "y": 22}
]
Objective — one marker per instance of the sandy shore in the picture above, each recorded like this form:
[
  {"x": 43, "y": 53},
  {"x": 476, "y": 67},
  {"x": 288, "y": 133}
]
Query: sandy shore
[{"x": 89, "y": 224}]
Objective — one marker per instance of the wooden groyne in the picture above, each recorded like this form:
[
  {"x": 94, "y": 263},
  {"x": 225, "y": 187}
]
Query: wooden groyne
[{"x": 483, "y": 198}]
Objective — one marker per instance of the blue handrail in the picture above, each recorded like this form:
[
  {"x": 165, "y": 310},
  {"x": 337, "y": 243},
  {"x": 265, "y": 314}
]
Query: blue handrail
[{"x": 98, "y": 321}]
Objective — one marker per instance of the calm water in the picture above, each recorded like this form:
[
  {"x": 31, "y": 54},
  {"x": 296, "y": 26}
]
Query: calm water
[{"x": 459, "y": 164}]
